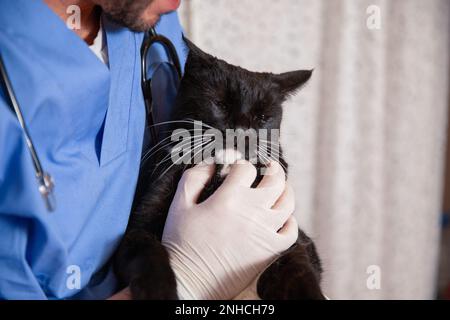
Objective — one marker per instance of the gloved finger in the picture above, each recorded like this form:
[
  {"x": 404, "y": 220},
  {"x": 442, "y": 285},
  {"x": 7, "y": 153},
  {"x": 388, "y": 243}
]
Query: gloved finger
[
  {"x": 272, "y": 184},
  {"x": 286, "y": 202},
  {"x": 283, "y": 209},
  {"x": 287, "y": 235},
  {"x": 242, "y": 173},
  {"x": 194, "y": 180}
]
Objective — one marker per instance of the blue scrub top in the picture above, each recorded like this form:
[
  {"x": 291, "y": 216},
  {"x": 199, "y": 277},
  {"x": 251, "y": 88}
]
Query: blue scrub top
[{"x": 87, "y": 122}]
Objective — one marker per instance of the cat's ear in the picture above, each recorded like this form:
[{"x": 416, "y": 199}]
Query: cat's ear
[
  {"x": 290, "y": 82},
  {"x": 193, "y": 51}
]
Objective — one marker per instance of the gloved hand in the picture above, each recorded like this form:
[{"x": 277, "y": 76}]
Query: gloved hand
[{"x": 219, "y": 246}]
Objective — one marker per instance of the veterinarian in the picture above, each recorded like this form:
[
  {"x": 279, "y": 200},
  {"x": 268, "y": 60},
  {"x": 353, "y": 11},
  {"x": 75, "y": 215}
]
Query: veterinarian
[{"x": 80, "y": 95}]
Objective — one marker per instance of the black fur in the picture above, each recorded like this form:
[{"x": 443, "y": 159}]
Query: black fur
[{"x": 224, "y": 97}]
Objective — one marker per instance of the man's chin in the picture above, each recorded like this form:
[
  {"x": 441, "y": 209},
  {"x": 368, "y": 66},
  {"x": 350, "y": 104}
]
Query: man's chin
[
  {"x": 143, "y": 15},
  {"x": 137, "y": 25},
  {"x": 151, "y": 16},
  {"x": 146, "y": 23}
]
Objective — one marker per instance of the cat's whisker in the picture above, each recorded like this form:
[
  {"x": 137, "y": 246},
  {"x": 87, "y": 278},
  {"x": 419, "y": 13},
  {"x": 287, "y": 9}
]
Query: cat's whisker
[
  {"x": 187, "y": 121},
  {"x": 144, "y": 158},
  {"x": 268, "y": 158},
  {"x": 271, "y": 154},
  {"x": 280, "y": 163},
  {"x": 202, "y": 149},
  {"x": 177, "y": 162},
  {"x": 196, "y": 140},
  {"x": 148, "y": 155},
  {"x": 210, "y": 145},
  {"x": 151, "y": 152},
  {"x": 273, "y": 147},
  {"x": 189, "y": 130},
  {"x": 269, "y": 148},
  {"x": 152, "y": 148},
  {"x": 265, "y": 158},
  {"x": 190, "y": 121},
  {"x": 169, "y": 154},
  {"x": 269, "y": 142},
  {"x": 183, "y": 144},
  {"x": 144, "y": 161}
]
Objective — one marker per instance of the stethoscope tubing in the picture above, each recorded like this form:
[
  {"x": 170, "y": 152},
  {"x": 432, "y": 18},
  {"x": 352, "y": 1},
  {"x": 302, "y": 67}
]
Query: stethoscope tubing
[{"x": 151, "y": 38}]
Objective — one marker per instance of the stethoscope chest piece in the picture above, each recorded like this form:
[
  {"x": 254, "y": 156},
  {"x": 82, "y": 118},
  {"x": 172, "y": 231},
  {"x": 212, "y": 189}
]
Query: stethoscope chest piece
[
  {"x": 45, "y": 181},
  {"x": 46, "y": 189}
]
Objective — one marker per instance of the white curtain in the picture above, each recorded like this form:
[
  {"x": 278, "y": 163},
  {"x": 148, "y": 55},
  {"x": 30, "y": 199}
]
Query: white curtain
[{"x": 365, "y": 139}]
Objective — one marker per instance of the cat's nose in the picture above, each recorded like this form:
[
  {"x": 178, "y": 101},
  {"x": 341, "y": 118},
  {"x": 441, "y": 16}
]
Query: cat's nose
[
  {"x": 243, "y": 123},
  {"x": 246, "y": 142},
  {"x": 243, "y": 134}
]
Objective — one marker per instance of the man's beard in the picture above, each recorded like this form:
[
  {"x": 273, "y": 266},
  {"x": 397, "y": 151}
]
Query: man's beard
[{"x": 128, "y": 13}]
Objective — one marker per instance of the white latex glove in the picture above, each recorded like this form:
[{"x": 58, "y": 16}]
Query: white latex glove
[{"x": 219, "y": 246}]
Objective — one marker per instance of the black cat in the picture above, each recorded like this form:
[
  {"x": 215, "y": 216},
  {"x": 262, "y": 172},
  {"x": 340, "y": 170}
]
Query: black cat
[{"x": 222, "y": 96}]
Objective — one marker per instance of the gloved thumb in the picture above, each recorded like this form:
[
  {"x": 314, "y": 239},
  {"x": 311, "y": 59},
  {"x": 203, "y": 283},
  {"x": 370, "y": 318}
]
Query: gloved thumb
[{"x": 193, "y": 181}]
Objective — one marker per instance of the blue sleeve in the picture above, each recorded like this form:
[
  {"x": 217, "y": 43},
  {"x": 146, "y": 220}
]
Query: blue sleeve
[{"x": 17, "y": 280}]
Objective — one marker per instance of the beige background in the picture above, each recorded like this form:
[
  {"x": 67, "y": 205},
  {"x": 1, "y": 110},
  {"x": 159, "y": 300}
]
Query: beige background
[{"x": 365, "y": 139}]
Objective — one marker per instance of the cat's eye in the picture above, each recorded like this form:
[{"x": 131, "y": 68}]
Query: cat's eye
[
  {"x": 220, "y": 104},
  {"x": 262, "y": 118}
]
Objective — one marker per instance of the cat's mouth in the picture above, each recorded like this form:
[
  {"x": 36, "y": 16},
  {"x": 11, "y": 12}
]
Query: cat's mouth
[{"x": 228, "y": 156}]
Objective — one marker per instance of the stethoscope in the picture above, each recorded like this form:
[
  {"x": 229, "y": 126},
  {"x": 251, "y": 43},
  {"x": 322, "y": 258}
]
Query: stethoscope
[{"x": 44, "y": 179}]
